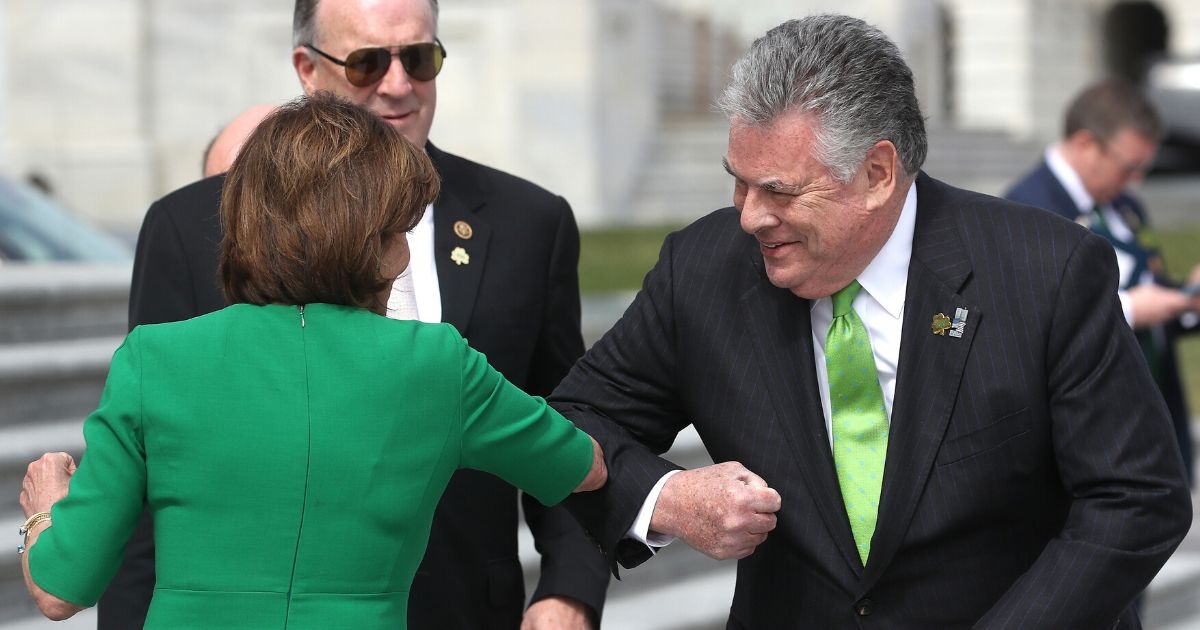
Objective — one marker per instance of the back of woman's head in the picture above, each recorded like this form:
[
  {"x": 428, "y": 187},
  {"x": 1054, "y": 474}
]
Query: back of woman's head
[{"x": 311, "y": 200}]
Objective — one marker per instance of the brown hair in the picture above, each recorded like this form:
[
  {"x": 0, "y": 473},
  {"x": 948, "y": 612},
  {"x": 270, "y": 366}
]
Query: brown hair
[
  {"x": 310, "y": 201},
  {"x": 1107, "y": 107}
]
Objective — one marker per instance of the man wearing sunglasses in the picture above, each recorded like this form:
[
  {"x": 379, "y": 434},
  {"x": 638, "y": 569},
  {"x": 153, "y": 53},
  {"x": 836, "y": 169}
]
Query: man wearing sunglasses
[
  {"x": 495, "y": 255},
  {"x": 1111, "y": 133}
]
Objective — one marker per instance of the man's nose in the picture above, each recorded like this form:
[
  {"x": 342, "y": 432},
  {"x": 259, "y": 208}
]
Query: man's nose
[
  {"x": 755, "y": 213},
  {"x": 395, "y": 81}
]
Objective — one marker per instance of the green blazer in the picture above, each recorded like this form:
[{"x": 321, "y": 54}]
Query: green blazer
[{"x": 292, "y": 460}]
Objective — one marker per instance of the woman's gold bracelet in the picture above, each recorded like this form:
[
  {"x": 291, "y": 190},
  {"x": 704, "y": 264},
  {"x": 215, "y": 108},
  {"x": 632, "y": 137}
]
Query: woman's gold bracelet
[{"x": 31, "y": 522}]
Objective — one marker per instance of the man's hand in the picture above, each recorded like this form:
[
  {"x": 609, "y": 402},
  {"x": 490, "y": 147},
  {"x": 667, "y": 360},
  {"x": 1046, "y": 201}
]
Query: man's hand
[
  {"x": 556, "y": 613},
  {"x": 1153, "y": 304},
  {"x": 724, "y": 510}
]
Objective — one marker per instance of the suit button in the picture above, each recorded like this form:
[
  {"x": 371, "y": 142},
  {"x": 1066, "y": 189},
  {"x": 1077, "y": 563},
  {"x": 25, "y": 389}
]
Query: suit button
[{"x": 864, "y": 607}]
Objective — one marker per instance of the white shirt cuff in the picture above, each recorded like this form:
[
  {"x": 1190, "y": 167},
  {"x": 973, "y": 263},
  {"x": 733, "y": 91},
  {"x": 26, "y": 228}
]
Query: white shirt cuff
[
  {"x": 640, "y": 531},
  {"x": 1126, "y": 306}
]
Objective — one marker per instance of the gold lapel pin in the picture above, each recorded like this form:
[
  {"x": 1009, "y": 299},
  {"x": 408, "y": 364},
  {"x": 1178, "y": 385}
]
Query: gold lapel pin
[
  {"x": 941, "y": 324},
  {"x": 460, "y": 256},
  {"x": 463, "y": 230}
]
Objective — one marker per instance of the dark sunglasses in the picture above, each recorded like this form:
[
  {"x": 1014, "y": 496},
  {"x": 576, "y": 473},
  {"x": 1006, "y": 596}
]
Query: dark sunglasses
[{"x": 366, "y": 66}]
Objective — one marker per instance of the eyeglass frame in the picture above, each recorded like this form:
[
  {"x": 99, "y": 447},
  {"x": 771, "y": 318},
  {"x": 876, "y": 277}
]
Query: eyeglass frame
[{"x": 393, "y": 51}]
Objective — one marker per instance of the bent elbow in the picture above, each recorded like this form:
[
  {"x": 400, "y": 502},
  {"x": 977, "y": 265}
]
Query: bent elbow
[
  {"x": 57, "y": 610},
  {"x": 598, "y": 475},
  {"x": 1184, "y": 518}
]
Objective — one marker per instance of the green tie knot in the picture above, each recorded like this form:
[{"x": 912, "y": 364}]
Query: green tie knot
[{"x": 843, "y": 299}]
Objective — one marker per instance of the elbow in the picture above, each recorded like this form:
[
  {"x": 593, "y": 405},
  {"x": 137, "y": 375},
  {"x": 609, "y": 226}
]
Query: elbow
[
  {"x": 1173, "y": 510},
  {"x": 56, "y": 609},
  {"x": 1184, "y": 518},
  {"x": 598, "y": 475}
]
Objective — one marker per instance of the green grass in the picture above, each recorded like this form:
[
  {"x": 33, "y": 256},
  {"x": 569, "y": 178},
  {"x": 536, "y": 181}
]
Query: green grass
[
  {"x": 1181, "y": 249},
  {"x": 616, "y": 259}
]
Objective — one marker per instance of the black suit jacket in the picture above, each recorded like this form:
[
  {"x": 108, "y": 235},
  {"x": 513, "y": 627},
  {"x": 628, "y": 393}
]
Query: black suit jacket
[
  {"x": 1029, "y": 481},
  {"x": 1041, "y": 188},
  {"x": 516, "y": 301}
]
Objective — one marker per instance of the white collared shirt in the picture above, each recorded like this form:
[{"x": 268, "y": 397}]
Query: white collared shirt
[
  {"x": 422, "y": 269},
  {"x": 1084, "y": 202},
  {"x": 880, "y": 306}
]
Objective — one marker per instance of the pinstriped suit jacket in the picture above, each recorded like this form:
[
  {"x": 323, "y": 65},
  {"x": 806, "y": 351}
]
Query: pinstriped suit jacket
[{"x": 1032, "y": 479}]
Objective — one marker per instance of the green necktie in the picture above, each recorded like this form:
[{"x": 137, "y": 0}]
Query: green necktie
[{"x": 860, "y": 422}]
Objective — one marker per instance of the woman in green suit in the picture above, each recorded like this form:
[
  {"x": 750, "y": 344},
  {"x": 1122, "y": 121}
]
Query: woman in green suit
[{"x": 292, "y": 446}]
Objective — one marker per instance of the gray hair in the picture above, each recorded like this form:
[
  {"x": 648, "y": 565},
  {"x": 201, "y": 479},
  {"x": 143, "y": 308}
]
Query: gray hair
[
  {"x": 304, "y": 28},
  {"x": 843, "y": 70}
]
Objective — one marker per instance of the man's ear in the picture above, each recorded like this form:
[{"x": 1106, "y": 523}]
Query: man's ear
[
  {"x": 881, "y": 172},
  {"x": 305, "y": 67},
  {"x": 1082, "y": 140}
]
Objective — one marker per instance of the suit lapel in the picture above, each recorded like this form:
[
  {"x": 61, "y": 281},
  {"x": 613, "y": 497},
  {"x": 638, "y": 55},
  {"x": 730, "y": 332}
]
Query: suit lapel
[
  {"x": 459, "y": 273},
  {"x": 780, "y": 326},
  {"x": 929, "y": 371}
]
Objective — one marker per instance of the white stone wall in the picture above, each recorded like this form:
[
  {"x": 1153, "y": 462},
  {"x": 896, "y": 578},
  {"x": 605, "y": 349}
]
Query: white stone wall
[
  {"x": 7, "y": 152},
  {"x": 114, "y": 100},
  {"x": 571, "y": 108},
  {"x": 992, "y": 59},
  {"x": 1065, "y": 56},
  {"x": 561, "y": 93},
  {"x": 74, "y": 110},
  {"x": 129, "y": 92},
  {"x": 625, "y": 101},
  {"x": 1184, "y": 18},
  {"x": 212, "y": 60}
]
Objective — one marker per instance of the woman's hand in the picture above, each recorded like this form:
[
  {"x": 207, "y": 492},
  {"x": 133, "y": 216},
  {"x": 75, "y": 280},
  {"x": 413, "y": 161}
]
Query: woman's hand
[
  {"x": 46, "y": 481},
  {"x": 598, "y": 475}
]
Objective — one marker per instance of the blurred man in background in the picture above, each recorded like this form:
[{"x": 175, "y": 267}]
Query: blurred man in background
[
  {"x": 1110, "y": 136},
  {"x": 496, "y": 256}
]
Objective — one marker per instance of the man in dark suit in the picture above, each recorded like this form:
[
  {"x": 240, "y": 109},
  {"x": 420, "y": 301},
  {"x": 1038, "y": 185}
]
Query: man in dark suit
[
  {"x": 922, "y": 401},
  {"x": 1111, "y": 133},
  {"x": 497, "y": 257}
]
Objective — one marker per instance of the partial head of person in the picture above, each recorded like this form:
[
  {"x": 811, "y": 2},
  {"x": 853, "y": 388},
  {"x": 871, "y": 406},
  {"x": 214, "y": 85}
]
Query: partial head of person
[
  {"x": 825, "y": 138},
  {"x": 316, "y": 206},
  {"x": 225, "y": 146},
  {"x": 382, "y": 54},
  {"x": 1110, "y": 136}
]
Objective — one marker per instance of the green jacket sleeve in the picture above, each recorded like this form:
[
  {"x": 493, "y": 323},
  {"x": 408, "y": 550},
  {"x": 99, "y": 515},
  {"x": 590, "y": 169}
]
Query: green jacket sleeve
[
  {"x": 518, "y": 437},
  {"x": 76, "y": 557}
]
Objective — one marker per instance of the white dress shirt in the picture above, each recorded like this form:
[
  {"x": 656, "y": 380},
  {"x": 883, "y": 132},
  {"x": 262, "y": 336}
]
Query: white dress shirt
[
  {"x": 1084, "y": 201},
  {"x": 880, "y": 306},
  {"x": 419, "y": 282}
]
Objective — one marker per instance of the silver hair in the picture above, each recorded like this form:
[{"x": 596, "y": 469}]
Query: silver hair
[
  {"x": 843, "y": 70},
  {"x": 304, "y": 27}
]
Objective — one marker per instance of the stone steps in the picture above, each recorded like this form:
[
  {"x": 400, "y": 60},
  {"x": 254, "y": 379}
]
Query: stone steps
[
  {"x": 46, "y": 380},
  {"x": 62, "y": 301},
  {"x": 59, "y": 325}
]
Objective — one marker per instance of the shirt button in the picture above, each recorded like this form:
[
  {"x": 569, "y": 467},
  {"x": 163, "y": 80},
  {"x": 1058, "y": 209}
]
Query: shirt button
[{"x": 864, "y": 607}]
